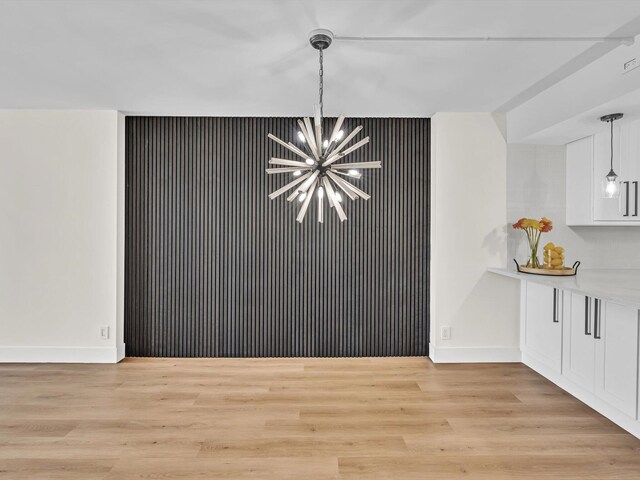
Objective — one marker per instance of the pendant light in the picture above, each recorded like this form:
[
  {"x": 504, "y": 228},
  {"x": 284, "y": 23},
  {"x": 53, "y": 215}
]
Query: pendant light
[
  {"x": 610, "y": 184},
  {"x": 320, "y": 174}
]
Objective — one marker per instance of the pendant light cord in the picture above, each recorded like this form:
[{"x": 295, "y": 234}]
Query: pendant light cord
[
  {"x": 611, "y": 122},
  {"x": 321, "y": 82}
]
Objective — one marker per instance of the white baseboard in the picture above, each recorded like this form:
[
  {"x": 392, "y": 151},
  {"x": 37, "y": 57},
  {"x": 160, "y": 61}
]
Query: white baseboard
[
  {"x": 61, "y": 354},
  {"x": 120, "y": 351},
  {"x": 474, "y": 354}
]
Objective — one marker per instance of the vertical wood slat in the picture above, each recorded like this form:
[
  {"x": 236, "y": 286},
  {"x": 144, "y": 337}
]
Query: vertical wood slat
[{"x": 213, "y": 268}]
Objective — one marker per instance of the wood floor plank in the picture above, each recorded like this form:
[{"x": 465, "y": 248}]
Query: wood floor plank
[{"x": 263, "y": 468}]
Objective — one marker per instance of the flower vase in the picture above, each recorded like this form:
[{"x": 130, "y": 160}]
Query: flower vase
[{"x": 534, "y": 239}]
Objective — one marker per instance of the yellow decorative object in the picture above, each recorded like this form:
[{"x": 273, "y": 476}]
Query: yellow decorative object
[{"x": 553, "y": 257}]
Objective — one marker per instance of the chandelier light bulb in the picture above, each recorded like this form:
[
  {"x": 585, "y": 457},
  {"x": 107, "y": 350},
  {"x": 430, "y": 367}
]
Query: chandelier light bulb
[
  {"x": 340, "y": 135},
  {"x": 297, "y": 173},
  {"x": 309, "y": 161},
  {"x": 320, "y": 192},
  {"x": 302, "y": 196},
  {"x": 325, "y": 144},
  {"x": 301, "y": 137},
  {"x": 354, "y": 173}
]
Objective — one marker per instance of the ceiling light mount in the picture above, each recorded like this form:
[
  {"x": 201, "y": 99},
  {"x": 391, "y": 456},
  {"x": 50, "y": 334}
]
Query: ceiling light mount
[
  {"x": 321, "y": 38},
  {"x": 611, "y": 117}
]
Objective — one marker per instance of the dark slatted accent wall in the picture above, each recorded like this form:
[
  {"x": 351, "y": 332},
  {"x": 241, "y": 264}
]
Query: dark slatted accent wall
[{"x": 215, "y": 269}]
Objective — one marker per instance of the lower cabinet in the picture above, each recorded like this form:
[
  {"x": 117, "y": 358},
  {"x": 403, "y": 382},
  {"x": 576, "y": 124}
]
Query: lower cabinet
[
  {"x": 579, "y": 349},
  {"x": 586, "y": 345},
  {"x": 600, "y": 350},
  {"x": 542, "y": 337},
  {"x": 616, "y": 339}
]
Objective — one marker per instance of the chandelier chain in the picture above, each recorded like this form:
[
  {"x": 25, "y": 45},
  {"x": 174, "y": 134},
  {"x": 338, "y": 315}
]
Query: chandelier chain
[{"x": 321, "y": 88}]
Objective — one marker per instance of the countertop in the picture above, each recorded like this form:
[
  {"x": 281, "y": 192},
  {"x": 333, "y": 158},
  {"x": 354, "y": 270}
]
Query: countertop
[{"x": 616, "y": 285}]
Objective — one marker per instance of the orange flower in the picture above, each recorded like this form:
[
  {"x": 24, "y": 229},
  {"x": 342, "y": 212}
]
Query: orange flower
[
  {"x": 519, "y": 223},
  {"x": 542, "y": 225},
  {"x": 545, "y": 224}
]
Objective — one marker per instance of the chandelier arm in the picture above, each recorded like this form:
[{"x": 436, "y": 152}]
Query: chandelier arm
[
  {"x": 288, "y": 146},
  {"x": 352, "y": 195},
  {"x": 337, "y": 150},
  {"x": 344, "y": 184},
  {"x": 311, "y": 180},
  {"x": 307, "y": 132},
  {"x": 293, "y": 196},
  {"x": 307, "y": 200},
  {"x": 286, "y": 170},
  {"x": 288, "y": 163},
  {"x": 329, "y": 197},
  {"x": 297, "y": 151},
  {"x": 356, "y": 146},
  {"x": 317, "y": 120},
  {"x": 345, "y": 166},
  {"x": 290, "y": 185},
  {"x": 336, "y": 203},
  {"x": 336, "y": 129}
]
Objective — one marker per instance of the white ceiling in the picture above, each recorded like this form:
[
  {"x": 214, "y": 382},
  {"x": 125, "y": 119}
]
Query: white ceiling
[{"x": 239, "y": 57}]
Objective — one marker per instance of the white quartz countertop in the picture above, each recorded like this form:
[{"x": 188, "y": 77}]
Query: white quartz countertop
[{"x": 616, "y": 285}]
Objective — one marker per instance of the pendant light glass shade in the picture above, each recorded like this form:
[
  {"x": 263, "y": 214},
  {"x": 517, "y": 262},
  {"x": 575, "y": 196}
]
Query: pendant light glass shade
[{"x": 610, "y": 183}]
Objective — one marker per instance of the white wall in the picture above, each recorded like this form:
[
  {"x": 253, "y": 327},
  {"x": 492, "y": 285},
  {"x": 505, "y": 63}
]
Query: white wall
[
  {"x": 62, "y": 233},
  {"x": 536, "y": 188},
  {"x": 469, "y": 235}
]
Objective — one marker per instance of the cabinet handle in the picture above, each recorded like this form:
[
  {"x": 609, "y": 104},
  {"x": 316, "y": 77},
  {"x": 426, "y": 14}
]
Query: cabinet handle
[
  {"x": 626, "y": 199},
  {"x": 587, "y": 326},
  {"x": 555, "y": 306},
  {"x": 635, "y": 187},
  {"x": 597, "y": 320}
]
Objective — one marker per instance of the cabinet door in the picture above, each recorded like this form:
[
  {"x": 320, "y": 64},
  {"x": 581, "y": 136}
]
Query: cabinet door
[
  {"x": 616, "y": 339},
  {"x": 578, "y": 359},
  {"x": 630, "y": 166},
  {"x": 543, "y": 326},
  {"x": 579, "y": 169}
]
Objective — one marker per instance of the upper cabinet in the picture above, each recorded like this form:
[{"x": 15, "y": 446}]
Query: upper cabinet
[{"x": 588, "y": 161}]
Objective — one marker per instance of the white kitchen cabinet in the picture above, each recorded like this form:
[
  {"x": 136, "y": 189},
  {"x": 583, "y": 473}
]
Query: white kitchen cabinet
[
  {"x": 600, "y": 350},
  {"x": 588, "y": 161},
  {"x": 542, "y": 337},
  {"x": 579, "y": 350},
  {"x": 616, "y": 339}
]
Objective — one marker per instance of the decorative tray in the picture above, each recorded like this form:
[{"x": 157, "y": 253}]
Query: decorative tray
[{"x": 566, "y": 271}]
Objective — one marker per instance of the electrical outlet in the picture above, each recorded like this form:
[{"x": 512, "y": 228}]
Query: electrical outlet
[
  {"x": 630, "y": 65},
  {"x": 104, "y": 332},
  {"x": 445, "y": 333}
]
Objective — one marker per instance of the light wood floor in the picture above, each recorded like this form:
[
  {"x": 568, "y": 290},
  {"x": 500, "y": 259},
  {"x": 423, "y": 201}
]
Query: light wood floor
[{"x": 389, "y": 418}]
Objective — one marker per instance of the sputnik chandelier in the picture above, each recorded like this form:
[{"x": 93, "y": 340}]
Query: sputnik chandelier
[{"x": 320, "y": 172}]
